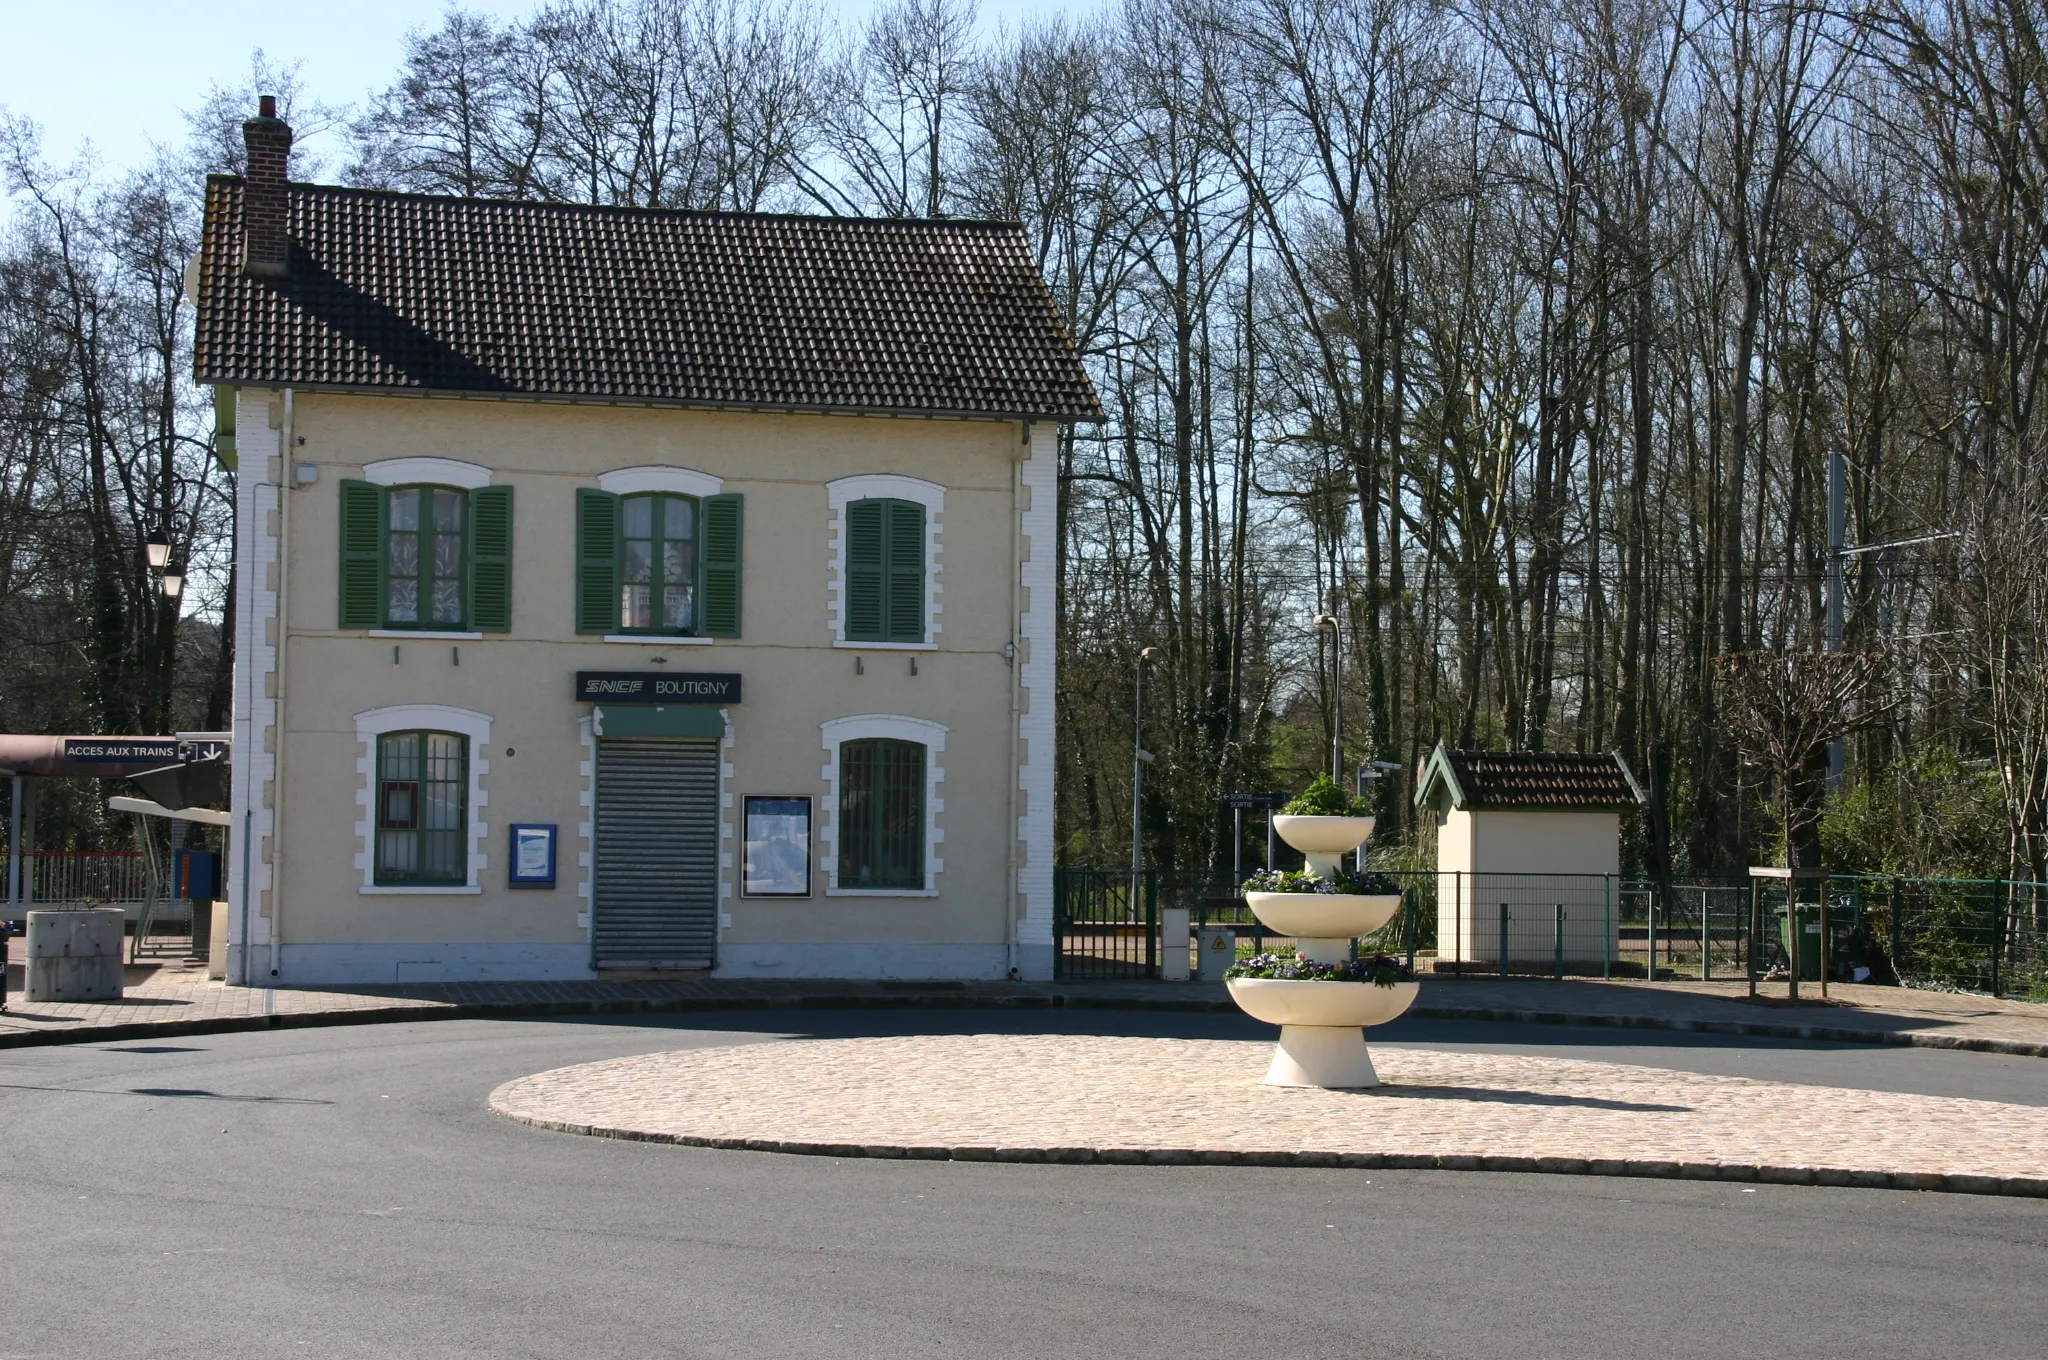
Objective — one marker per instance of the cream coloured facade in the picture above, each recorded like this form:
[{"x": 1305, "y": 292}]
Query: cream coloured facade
[
  {"x": 314, "y": 697},
  {"x": 1528, "y": 854}
]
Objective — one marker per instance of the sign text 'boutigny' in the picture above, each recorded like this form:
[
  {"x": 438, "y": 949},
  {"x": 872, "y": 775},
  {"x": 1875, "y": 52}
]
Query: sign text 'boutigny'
[{"x": 656, "y": 687}]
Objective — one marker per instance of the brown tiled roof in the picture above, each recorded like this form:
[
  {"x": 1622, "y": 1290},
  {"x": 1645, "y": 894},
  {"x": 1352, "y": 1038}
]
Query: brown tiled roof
[
  {"x": 414, "y": 293},
  {"x": 1554, "y": 780}
]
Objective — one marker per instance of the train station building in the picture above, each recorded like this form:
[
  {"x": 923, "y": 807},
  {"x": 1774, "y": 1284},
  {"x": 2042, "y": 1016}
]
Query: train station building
[{"x": 629, "y": 590}]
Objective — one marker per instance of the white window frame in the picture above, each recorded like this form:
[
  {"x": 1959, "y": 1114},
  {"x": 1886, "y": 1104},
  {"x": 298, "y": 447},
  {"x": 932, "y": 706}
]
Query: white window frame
[
  {"x": 374, "y": 723},
  {"x": 664, "y": 478},
  {"x": 931, "y": 736},
  {"x": 426, "y": 472},
  {"x": 881, "y": 485}
]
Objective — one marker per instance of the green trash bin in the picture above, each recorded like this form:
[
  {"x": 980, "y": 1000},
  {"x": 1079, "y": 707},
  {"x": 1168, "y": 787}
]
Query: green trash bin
[{"x": 1841, "y": 924}]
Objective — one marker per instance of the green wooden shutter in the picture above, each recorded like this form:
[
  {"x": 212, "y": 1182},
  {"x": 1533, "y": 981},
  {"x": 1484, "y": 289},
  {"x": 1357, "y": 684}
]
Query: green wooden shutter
[
  {"x": 597, "y": 561},
  {"x": 905, "y": 548},
  {"x": 490, "y": 559},
  {"x": 362, "y": 555},
  {"x": 865, "y": 583},
  {"x": 722, "y": 541}
]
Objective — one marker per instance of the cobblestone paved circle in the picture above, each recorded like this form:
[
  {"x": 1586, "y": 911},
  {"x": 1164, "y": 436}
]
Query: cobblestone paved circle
[{"x": 1061, "y": 1098}]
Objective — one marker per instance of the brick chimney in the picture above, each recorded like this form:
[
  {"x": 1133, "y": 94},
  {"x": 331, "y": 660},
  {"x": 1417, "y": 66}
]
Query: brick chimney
[{"x": 266, "y": 251}]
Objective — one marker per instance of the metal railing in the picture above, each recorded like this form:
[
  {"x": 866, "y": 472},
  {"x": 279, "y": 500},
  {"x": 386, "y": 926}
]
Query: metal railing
[
  {"x": 110, "y": 878},
  {"x": 65, "y": 878},
  {"x": 1969, "y": 935}
]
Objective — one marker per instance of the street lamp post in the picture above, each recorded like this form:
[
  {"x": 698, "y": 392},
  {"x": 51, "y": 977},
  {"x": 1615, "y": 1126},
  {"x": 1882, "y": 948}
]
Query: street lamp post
[{"x": 1140, "y": 758}]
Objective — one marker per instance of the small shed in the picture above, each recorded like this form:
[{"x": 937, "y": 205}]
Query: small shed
[{"x": 1528, "y": 854}]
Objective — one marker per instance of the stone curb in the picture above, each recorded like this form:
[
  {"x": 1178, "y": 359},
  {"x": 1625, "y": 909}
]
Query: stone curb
[
  {"x": 2032, "y": 1187},
  {"x": 956, "y": 1000}
]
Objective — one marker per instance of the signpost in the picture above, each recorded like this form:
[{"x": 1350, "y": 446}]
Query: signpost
[
  {"x": 657, "y": 687},
  {"x": 1237, "y": 803}
]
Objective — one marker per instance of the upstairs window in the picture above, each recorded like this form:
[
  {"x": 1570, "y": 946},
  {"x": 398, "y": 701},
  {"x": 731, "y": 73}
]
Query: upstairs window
[
  {"x": 422, "y": 808},
  {"x": 885, "y": 571},
  {"x": 658, "y": 564},
  {"x": 426, "y": 557},
  {"x": 881, "y": 814}
]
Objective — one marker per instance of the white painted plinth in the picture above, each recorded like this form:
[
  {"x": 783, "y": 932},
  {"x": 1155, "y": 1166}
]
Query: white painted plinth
[{"x": 1328, "y": 1056}]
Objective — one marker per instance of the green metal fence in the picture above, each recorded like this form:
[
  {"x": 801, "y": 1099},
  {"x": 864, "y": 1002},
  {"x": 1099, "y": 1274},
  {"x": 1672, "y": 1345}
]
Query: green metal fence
[{"x": 1969, "y": 935}]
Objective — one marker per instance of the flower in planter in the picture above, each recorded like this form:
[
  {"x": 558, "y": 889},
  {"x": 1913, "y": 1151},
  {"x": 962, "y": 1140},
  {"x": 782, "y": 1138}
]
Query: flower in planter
[
  {"x": 1357, "y": 882},
  {"x": 1324, "y": 799},
  {"x": 1379, "y": 969}
]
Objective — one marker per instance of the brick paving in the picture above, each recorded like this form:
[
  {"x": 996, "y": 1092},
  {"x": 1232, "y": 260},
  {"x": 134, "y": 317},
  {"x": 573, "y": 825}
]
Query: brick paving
[
  {"x": 179, "y": 999},
  {"x": 1087, "y": 1098}
]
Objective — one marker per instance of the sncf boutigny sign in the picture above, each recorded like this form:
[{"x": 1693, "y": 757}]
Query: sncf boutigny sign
[{"x": 656, "y": 687}]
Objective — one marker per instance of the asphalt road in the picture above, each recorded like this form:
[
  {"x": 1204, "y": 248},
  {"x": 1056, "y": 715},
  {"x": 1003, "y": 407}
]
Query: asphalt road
[{"x": 343, "y": 1192}]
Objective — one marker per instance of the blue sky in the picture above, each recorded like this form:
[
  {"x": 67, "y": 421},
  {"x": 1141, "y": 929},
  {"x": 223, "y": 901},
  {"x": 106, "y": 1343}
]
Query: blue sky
[{"x": 117, "y": 72}]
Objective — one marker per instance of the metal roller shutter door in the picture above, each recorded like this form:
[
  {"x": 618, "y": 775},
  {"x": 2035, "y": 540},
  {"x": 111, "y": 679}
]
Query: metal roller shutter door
[{"x": 655, "y": 888}]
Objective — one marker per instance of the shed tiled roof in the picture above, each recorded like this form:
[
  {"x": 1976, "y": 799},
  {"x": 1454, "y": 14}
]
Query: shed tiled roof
[
  {"x": 1559, "y": 781},
  {"x": 417, "y": 293}
]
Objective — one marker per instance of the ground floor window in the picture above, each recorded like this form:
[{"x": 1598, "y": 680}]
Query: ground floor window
[
  {"x": 422, "y": 808},
  {"x": 881, "y": 814}
]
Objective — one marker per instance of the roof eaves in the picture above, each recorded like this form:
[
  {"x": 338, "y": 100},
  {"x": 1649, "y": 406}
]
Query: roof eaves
[
  {"x": 1439, "y": 768},
  {"x": 1635, "y": 785},
  {"x": 666, "y": 403}
]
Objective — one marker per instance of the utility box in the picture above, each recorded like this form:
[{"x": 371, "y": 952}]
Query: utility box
[
  {"x": 217, "y": 943},
  {"x": 74, "y": 955},
  {"x": 1173, "y": 940},
  {"x": 1216, "y": 950}
]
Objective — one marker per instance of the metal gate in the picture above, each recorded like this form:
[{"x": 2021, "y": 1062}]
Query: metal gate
[
  {"x": 1105, "y": 923},
  {"x": 654, "y": 896}
]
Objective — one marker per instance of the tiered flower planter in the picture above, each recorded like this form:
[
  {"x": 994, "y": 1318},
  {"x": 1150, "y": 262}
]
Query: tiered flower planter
[{"x": 1322, "y": 1024}]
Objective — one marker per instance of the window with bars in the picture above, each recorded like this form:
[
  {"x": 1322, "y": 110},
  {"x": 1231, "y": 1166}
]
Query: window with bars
[
  {"x": 422, "y": 808},
  {"x": 885, "y": 570},
  {"x": 881, "y": 814},
  {"x": 427, "y": 557}
]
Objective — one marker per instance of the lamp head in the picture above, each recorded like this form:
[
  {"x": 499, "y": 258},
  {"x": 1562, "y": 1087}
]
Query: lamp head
[{"x": 157, "y": 547}]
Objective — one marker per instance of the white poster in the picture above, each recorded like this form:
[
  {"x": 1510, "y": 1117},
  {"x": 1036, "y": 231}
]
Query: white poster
[
  {"x": 778, "y": 847},
  {"x": 531, "y": 857}
]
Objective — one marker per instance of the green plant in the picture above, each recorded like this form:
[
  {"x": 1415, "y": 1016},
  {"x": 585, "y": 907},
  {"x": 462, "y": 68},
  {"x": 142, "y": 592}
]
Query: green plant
[
  {"x": 1356, "y": 882},
  {"x": 1378, "y": 969},
  {"x": 1929, "y": 814},
  {"x": 1324, "y": 799}
]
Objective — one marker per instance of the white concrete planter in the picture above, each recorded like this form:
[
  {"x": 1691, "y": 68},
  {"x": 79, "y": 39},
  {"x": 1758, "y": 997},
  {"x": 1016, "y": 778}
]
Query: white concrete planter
[
  {"x": 1322, "y": 1024},
  {"x": 1322, "y": 1035},
  {"x": 1290, "y": 1001},
  {"x": 1323, "y": 841},
  {"x": 74, "y": 955},
  {"x": 1323, "y": 835},
  {"x": 1319, "y": 915}
]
